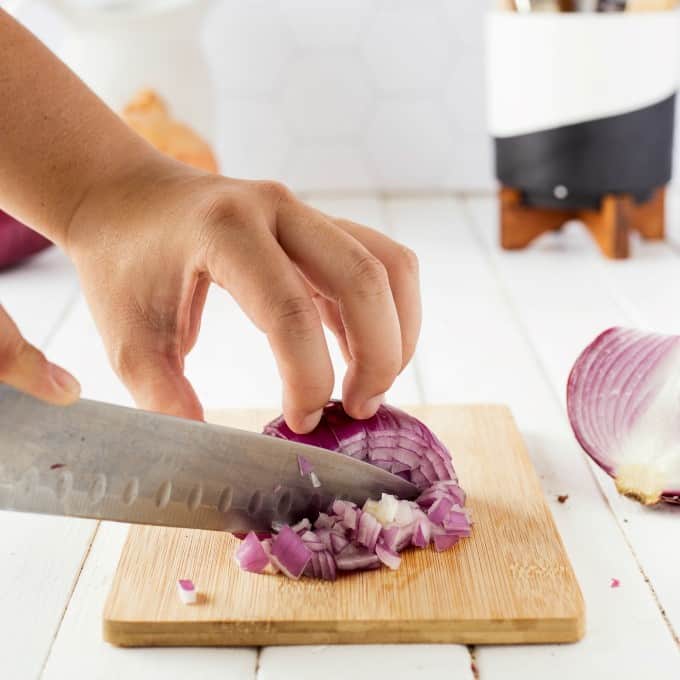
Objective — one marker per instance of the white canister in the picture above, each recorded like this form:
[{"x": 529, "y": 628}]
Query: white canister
[{"x": 581, "y": 105}]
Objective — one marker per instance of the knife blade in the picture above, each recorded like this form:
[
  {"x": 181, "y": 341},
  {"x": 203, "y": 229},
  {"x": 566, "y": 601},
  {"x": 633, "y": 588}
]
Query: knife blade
[{"x": 108, "y": 462}]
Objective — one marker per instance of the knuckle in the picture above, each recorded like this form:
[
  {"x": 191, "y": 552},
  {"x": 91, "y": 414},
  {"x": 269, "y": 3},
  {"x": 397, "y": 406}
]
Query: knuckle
[
  {"x": 296, "y": 315},
  {"x": 133, "y": 364},
  {"x": 226, "y": 211},
  {"x": 275, "y": 191},
  {"x": 380, "y": 368},
  {"x": 369, "y": 276}
]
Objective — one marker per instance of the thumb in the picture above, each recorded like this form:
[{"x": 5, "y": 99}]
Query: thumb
[{"x": 25, "y": 367}]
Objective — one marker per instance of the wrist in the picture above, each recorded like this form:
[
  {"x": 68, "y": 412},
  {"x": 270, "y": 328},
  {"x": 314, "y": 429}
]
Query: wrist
[{"x": 111, "y": 195}]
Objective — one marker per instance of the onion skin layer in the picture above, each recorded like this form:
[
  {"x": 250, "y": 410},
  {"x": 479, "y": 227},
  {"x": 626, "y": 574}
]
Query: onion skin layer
[{"x": 611, "y": 385}]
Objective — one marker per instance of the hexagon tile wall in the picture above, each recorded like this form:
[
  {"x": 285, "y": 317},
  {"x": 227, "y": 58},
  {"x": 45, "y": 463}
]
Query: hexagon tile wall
[
  {"x": 352, "y": 94},
  {"x": 346, "y": 95}
]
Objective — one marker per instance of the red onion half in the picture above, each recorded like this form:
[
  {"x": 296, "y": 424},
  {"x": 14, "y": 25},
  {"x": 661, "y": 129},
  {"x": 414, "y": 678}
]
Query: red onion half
[
  {"x": 349, "y": 538},
  {"x": 623, "y": 401},
  {"x": 18, "y": 241}
]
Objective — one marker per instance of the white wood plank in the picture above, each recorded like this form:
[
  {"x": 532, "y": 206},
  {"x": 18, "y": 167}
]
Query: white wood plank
[
  {"x": 474, "y": 347},
  {"x": 79, "y": 651},
  {"x": 365, "y": 662},
  {"x": 640, "y": 291},
  {"x": 40, "y": 557},
  {"x": 36, "y": 293}
]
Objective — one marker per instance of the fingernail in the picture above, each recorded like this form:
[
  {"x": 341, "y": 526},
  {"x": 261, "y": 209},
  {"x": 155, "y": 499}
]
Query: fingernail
[
  {"x": 64, "y": 380},
  {"x": 311, "y": 421},
  {"x": 373, "y": 404}
]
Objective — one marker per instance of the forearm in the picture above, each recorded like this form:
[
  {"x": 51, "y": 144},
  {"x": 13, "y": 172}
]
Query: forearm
[{"x": 58, "y": 141}]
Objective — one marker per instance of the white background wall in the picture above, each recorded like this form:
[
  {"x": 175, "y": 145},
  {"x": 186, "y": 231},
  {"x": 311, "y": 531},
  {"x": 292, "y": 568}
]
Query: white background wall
[{"x": 344, "y": 94}]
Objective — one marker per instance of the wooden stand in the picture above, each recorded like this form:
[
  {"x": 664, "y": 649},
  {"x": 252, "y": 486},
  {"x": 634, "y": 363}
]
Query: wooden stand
[{"x": 610, "y": 226}]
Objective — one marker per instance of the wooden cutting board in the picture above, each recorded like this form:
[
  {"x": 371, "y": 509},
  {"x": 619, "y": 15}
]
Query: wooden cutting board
[{"x": 510, "y": 582}]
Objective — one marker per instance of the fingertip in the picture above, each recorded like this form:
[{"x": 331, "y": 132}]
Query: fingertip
[
  {"x": 301, "y": 422},
  {"x": 363, "y": 409},
  {"x": 65, "y": 388}
]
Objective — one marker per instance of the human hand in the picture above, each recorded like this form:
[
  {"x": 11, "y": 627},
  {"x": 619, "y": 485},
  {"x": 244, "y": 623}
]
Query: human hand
[
  {"x": 26, "y": 368},
  {"x": 148, "y": 246}
]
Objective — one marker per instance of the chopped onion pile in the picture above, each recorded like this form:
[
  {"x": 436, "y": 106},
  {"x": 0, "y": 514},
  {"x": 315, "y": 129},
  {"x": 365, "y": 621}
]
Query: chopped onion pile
[
  {"x": 623, "y": 400},
  {"x": 349, "y": 538}
]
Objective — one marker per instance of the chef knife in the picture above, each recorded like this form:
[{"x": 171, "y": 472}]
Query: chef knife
[{"x": 108, "y": 462}]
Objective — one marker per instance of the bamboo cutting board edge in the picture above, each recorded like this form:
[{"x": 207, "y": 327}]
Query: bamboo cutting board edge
[{"x": 201, "y": 625}]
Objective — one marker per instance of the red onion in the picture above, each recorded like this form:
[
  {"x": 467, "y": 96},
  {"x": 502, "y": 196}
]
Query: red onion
[
  {"x": 17, "y": 241},
  {"x": 349, "y": 538},
  {"x": 401, "y": 442},
  {"x": 623, "y": 402}
]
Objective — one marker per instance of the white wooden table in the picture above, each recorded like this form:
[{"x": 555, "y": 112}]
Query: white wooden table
[{"x": 501, "y": 327}]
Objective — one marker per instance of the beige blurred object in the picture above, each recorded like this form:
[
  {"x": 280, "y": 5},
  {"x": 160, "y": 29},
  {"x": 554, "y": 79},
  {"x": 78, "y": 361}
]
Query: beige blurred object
[
  {"x": 148, "y": 116},
  {"x": 526, "y": 6},
  {"x": 650, "y": 5}
]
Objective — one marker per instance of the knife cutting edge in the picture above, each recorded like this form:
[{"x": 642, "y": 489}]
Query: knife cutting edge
[{"x": 101, "y": 461}]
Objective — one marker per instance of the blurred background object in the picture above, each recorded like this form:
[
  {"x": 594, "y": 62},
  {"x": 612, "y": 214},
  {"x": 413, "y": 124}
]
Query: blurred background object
[
  {"x": 583, "y": 119},
  {"x": 325, "y": 95},
  {"x": 17, "y": 241},
  {"x": 120, "y": 47},
  {"x": 330, "y": 95},
  {"x": 117, "y": 48},
  {"x": 148, "y": 115}
]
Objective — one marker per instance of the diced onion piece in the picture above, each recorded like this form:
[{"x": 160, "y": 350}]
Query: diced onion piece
[
  {"x": 444, "y": 541},
  {"x": 289, "y": 553},
  {"x": 387, "y": 557},
  {"x": 304, "y": 465},
  {"x": 422, "y": 533},
  {"x": 251, "y": 555},
  {"x": 303, "y": 525},
  {"x": 338, "y": 543},
  {"x": 439, "y": 510},
  {"x": 404, "y": 514},
  {"x": 368, "y": 531},
  {"x": 316, "y": 482},
  {"x": 324, "y": 521},
  {"x": 187, "y": 591},
  {"x": 312, "y": 541},
  {"x": 355, "y": 557},
  {"x": 383, "y": 510}
]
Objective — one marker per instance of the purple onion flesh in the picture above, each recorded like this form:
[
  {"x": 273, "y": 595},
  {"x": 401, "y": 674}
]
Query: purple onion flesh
[
  {"x": 623, "y": 401},
  {"x": 349, "y": 538}
]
